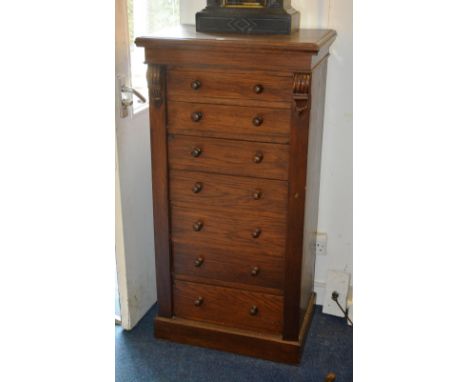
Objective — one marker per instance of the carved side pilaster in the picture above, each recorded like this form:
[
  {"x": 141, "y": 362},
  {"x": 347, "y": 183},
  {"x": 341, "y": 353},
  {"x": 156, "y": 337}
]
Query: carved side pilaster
[
  {"x": 301, "y": 92},
  {"x": 155, "y": 78}
]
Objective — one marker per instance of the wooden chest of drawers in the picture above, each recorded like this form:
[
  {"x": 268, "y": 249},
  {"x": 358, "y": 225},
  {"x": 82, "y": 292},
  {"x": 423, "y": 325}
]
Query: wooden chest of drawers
[{"x": 235, "y": 122}]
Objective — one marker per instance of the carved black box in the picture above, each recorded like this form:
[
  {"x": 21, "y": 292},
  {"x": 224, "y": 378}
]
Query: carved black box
[{"x": 248, "y": 16}]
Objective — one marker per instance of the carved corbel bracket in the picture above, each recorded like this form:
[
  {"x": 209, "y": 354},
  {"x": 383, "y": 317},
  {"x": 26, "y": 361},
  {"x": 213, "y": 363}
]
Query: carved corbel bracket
[
  {"x": 301, "y": 91},
  {"x": 155, "y": 78}
]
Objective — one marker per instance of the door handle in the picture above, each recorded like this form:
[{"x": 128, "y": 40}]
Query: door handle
[{"x": 128, "y": 89}]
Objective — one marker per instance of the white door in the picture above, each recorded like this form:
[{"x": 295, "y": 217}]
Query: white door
[{"x": 136, "y": 273}]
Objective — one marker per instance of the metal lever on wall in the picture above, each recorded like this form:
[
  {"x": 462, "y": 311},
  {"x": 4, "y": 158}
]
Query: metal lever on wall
[{"x": 128, "y": 89}]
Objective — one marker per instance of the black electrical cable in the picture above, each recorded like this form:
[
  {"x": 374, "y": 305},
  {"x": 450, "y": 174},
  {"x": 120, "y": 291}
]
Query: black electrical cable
[{"x": 335, "y": 298}]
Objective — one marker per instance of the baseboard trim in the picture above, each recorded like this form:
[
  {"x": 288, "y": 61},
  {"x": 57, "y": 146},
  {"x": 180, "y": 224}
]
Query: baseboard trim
[{"x": 319, "y": 289}]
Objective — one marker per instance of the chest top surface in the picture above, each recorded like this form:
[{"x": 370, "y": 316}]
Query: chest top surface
[{"x": 304, "y": 40}]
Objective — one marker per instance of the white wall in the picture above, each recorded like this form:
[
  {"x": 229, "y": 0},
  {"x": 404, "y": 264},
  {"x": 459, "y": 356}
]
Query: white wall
[{"x": 336, "y": 199}]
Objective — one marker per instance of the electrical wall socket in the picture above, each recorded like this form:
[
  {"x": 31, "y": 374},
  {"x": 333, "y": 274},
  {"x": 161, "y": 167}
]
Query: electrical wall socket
[
  {"x": 320, "y": 243},
  {"x": 336, "y": 282}
]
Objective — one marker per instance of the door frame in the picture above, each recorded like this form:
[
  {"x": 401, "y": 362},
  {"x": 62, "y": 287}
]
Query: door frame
[{"x": 134, "y": 234}]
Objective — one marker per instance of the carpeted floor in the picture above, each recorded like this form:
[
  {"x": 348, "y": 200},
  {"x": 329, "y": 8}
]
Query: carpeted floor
[{"x": 140, "y": 357}]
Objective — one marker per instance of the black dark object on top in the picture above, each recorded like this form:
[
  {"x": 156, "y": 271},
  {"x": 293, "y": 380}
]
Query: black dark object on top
[{"x": 248, "y": 17}]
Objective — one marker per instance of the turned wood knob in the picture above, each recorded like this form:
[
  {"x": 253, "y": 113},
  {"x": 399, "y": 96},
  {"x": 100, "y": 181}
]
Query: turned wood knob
[
  {"x": 330, "y": 377},
  {"x": 258, "y": 89},
  {"x": 197, "y": 187},
  {"x": 198, "y": 301},
  {"x": 196, "y": 152},
  {"x": 199, "y": 262},
  {"x": 257, "y": 194},
  {"x": 253, "y": 310},
  {"x": 196, "y": 85},
  {"x": 256, "y": 233},
  {"x": 197, "y": 116},
  {"x": 197, "y": 226},
  {"x": 255, "y": 271},
  {"x": 257, "y": 121},
  {"x": 258, "y": 157}
]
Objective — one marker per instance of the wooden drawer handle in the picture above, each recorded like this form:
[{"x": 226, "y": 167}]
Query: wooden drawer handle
[
  {"x": 258, "y": 89},
  {"x": 196, "y": 152},
  {"x": 258, "y": 194},
  {"x": 255, "y": 271},
  {"x": 197, "y": 226},
  {"x": 199, "y": 262},
  {"x": 257, "y": 121},
  {"x": 256, "y": 233},
  {"x": 258, "y": 157},
  {"x": 197, "y": 116},
  {"x": 253, "y": 310},
  {"x": 198, "y": 301},
  {"x": 197, "y": 187},
  {"x": 196, "y": 85}
]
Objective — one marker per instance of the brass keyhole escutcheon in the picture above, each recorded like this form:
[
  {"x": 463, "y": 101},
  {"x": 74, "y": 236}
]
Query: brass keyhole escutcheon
[{"x": 253, "y": 310}]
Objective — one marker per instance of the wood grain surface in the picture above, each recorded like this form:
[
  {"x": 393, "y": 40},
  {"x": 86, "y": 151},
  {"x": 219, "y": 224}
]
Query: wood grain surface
[
  {"x": 228, "y": 307},
  {"x": 297, "y": 193},
  {"x": 159, "y": 171},
  {"x": 229, "y": 228},
  {"x": 228, "y": 265},
  {"x": 304, "y": 40},
  {"x": 221, "y": 121},
  {"x": 227, "y": 191},
  {"x": 224, "y": 156},
  {"x": 230, "y": 84}
]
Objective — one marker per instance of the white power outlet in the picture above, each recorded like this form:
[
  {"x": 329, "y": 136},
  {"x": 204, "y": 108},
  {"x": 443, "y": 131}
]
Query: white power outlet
[
  {"x": 336, "y": 282},
  {"x": 320, "y": 243}
]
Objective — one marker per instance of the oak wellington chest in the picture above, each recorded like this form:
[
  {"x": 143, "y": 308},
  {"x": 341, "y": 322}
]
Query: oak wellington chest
[{"x": 235, "y": 121}]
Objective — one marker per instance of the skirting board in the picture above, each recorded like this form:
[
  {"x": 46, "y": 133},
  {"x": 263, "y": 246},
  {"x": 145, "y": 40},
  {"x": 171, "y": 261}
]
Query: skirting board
[
  {"x": 270, "y": 347},
  {"x": 319, "y": 289}
]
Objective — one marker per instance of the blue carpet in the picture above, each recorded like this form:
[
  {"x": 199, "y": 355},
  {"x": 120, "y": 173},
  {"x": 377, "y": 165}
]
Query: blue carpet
[{"x": 139, "y": 357}]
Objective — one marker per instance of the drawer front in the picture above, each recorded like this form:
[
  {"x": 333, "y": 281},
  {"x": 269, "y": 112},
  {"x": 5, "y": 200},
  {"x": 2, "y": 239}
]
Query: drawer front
[
  {"x": 228, "y": 265},
  {"x": 189, "y": 188},
  {"x": 264, "y": 160},
  {"x": 257, "y": 233},
  {"x": 195, "y": 84},
  {"x": 249, "y": 123},
  {"x": 229, "y": 307}
]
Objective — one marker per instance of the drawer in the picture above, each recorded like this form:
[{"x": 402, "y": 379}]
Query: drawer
[
  {"x": 229, "y": 265},
  {"x": 228, "y": 307},
  {"x": 189, "y": 188},
  {"x": 233, "y": 122},
  {"x": 227, "y": 228},
  {"x": 263, "y": 160},
  {"x": 183, "y": 84}
]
